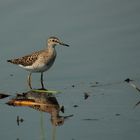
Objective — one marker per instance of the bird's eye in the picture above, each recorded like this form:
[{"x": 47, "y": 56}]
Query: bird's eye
[{"x": 53, "y": 40}]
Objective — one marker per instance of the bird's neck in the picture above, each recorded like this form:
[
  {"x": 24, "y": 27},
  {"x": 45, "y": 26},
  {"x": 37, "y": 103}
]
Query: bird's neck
[{"x": 51, "y": 48}]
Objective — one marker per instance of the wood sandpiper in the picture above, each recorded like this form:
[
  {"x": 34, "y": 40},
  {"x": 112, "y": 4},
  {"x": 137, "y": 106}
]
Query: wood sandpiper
[{"x": 39, "y": 61}]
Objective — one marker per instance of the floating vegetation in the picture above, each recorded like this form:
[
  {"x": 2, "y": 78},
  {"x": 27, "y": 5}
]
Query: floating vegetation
[
  {"x": 132, "y": 84},
  {"x": 129, "y": 81},
  {"x": 137, "y": 104},
  {"x": 95, "y": 84},
  {"x": 86, "y": 95},
  {"x": 46, "y": 91},
  {"x": 2, "y": 95}
]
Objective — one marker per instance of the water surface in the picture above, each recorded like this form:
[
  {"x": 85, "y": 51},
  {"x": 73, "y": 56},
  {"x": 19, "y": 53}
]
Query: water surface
[{"x": 105, "y": 48}]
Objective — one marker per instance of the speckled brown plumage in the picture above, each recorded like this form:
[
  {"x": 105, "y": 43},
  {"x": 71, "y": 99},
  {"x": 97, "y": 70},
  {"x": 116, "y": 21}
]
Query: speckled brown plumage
[{"x": 26, "y": 60}]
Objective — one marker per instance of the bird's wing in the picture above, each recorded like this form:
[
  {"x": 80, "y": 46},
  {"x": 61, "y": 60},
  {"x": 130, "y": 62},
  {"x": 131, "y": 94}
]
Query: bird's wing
[{"x": 26, "y": 60}]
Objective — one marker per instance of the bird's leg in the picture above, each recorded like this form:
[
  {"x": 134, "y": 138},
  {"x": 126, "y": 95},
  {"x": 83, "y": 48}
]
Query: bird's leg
[
  {"x": 29, "y": 80},
  {"x": 42, "y": 84}
]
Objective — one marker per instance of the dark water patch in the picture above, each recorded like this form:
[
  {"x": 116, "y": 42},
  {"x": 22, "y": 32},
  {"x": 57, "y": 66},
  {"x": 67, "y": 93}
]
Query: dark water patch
[
  {"x": 73, "y": 86},
  {"x": 91, "y": 119},
  {"x": 11, "y": 75},
  {"x": 117, "y": 114},
  {"x": 101, "y": 84},
  {"x": 75, "y": 106}
]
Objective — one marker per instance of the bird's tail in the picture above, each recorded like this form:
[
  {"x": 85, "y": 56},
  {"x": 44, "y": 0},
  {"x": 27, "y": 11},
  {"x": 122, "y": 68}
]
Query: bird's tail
[
  {"x": 9, "y": 61},
  {"x": 14, "y": 61}
]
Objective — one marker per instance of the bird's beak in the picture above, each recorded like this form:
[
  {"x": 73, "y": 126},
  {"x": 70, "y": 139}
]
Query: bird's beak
[{"x": 61, "y": 43}]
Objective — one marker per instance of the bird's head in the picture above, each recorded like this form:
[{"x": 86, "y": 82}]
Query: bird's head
[{"x": 53, "y": 41}]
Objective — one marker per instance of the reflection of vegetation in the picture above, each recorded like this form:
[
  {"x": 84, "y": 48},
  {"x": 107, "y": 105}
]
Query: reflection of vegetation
[
  {"x": 41, "y": 101},
  {"x": 19, "y": 120},
  {"x": 42, "y": 127}
]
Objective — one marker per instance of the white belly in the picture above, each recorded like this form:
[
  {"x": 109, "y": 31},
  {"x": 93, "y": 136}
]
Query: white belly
[
  {"x": 42, "y": 63},
  {"x": 38, "y": 68}
]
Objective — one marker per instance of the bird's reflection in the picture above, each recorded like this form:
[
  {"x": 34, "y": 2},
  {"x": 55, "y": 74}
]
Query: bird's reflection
[{"x": 41, "y": 101}]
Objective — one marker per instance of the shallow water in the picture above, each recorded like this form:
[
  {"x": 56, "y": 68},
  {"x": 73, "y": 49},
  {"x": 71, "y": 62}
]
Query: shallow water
[{"x": 104, "y": 47}]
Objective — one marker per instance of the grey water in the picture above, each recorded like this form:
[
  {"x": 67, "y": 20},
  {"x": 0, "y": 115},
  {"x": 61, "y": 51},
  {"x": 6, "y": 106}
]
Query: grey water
[{"x": 104, "y": 39}]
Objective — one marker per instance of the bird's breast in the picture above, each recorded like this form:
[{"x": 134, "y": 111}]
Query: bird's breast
[{"x": 43, "y": 63}]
